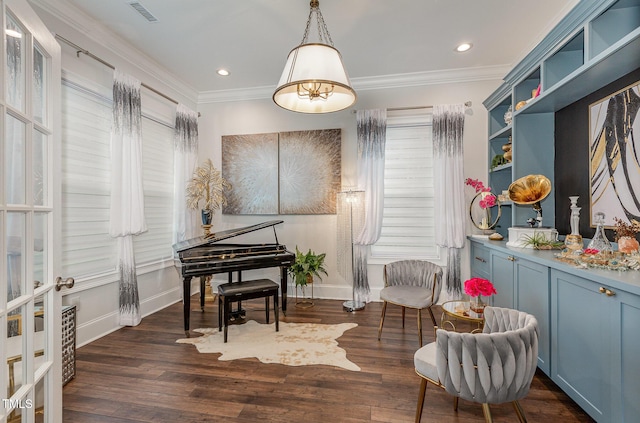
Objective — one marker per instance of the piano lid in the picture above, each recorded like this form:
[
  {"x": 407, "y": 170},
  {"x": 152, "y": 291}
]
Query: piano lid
[{"x": 219, "y": 236}]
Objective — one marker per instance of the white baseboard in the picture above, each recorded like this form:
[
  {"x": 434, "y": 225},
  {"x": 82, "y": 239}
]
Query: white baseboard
[
  {"x": 108, "y": 323},
  {"x": 331, "y": 292}
]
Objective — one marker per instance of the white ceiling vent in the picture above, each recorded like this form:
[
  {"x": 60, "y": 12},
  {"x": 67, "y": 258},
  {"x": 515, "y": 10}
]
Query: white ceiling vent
[{"x": 143, "y": 11}]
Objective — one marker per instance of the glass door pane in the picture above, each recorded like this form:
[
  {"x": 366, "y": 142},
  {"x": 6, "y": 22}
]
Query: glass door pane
[
  {"x": 39, "y": 168},
  {"x": 39, "y": 86},
  {"x": 15, "y": 247},
  {"x": 15, "y": 78},
  {"x": 14, "y": 162}
]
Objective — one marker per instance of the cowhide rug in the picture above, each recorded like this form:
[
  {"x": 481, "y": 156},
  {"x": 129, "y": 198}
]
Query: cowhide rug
[{"x": 296, "y": 344}]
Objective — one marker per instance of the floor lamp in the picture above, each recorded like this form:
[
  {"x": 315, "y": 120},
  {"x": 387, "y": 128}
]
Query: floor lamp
[{"x": 351, "y": 221}]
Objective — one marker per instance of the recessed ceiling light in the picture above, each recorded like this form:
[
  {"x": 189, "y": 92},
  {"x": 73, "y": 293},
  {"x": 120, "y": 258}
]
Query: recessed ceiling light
[
  {"x": 222, "y": 72},
  {"x": 463, "y": 47}
]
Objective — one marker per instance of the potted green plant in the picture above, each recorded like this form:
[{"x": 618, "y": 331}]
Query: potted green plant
[
  {"x": 304, "y": 269},
  {"x": 306, "y": 266}
]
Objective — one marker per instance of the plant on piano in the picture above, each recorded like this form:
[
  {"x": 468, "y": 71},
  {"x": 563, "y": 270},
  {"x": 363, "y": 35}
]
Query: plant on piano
[
  {"x": 306, "y": 266},
  {"x": 208, "y": 185}
]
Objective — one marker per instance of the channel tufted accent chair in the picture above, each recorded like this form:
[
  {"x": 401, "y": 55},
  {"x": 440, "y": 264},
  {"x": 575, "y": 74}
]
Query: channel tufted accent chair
[
  {"x": 411, "y": 283},
  {"x": 492, "y": 367}
]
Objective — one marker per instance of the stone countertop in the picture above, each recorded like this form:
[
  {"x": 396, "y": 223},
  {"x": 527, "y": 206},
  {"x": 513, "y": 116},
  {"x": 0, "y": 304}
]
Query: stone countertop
[{"x": 625, "y": 280}]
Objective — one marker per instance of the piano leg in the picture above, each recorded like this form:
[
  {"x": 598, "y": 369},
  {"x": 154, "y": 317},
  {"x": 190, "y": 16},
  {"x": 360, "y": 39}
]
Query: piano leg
[
  {"x": 202, "y": 291},
  {"x": 186, "y": 301},
  {"x": 283, "y": 288}
]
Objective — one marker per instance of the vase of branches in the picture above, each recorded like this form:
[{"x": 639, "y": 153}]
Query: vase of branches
[
  {"x": 626, "y": 235},
  {"x": 207, "y": 186}
]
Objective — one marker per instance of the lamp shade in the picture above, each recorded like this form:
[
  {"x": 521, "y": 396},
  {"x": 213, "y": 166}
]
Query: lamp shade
[{"x": 314, "y": 80}]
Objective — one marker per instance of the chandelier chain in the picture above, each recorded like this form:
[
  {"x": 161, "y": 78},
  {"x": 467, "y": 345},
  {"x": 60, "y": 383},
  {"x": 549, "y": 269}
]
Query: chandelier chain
[{"x": 323, "y": 32}]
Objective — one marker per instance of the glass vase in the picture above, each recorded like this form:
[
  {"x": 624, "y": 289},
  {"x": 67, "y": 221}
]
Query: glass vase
[{"x": 476, "y": 306}]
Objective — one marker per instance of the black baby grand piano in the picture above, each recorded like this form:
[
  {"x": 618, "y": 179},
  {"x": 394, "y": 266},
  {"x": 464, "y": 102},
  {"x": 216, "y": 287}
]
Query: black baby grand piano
[{"x": 205, "y": 256}]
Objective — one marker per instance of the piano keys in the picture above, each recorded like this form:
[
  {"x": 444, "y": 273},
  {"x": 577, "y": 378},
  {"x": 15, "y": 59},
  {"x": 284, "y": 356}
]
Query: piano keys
[{"x": 206, "y": 256}]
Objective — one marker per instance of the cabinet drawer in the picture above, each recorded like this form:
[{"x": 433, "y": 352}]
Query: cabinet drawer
[{"x": 479, "y": 260}]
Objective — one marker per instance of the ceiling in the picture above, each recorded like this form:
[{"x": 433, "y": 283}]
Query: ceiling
[{"x": 251, "y": 38}]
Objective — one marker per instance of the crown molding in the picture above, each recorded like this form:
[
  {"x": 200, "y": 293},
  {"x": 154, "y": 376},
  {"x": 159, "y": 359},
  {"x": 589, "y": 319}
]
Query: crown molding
[
  {"x": 414, "y": 79},
  {"x": 97, "y": 33}
]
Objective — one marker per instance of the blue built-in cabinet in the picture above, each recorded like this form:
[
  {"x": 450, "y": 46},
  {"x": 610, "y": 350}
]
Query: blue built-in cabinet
[
  {"x": 589, "y": 319},
  {"x": 521, "y": 284},
  {"x": 595, "y": 44},
  {"x": 589, "y": 323}
]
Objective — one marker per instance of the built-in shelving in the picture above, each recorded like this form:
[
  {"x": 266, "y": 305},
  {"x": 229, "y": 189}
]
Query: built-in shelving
[
  {"x": 524, "y": 90},
  {"x": 501, "y": 168},
  {"x": 613, "y": 25},
  {"x": 563, "y": 62},
  {"x": 595, "y": 44},
  {"x": 497, "y": 122}
]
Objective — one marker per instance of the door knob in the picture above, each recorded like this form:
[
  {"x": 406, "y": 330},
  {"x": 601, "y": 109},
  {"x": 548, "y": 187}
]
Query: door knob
[{"x": 68, "y": 283}]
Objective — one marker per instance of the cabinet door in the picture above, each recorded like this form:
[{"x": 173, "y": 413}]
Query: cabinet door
[
  {"x": 532, "y": 296},
  {"x": 479, "y": 260},
  {"x": 625, "y": 394},
  {"x": 581, "y": 349},
  {"x": 502, "y": 277}
]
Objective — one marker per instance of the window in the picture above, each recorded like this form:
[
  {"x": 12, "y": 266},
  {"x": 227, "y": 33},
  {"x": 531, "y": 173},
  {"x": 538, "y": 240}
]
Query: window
[
  {"x": 157, "y": 167},
  {"x": 87, "y": 248},
  {"x": 408, "y": 229}
]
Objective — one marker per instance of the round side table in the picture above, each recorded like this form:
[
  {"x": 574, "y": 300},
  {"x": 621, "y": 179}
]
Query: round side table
[{"x": 458, "y": 310}]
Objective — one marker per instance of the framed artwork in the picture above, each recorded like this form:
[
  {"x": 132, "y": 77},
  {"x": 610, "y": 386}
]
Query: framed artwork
[
  {"x": 309, "y": 171},
  {"x": 250, "y": 164},
  {"x": 614, "y": 164},
  {"x": 296, "y": 172}
]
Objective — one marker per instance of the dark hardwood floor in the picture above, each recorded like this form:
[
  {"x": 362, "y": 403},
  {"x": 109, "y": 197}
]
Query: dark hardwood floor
[{"x": 140, "y": 374}]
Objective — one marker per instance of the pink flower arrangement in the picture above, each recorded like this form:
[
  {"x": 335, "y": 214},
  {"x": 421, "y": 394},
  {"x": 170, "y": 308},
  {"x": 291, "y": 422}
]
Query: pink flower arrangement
[
  {"x": 488, "y": 200},
  {"x": 478, "y": 286},
  {"x": 477, "y": 185}
]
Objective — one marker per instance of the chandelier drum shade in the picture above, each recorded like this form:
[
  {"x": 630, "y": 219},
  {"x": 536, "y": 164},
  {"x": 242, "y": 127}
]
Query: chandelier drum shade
[{"x": 314, "y": 79}]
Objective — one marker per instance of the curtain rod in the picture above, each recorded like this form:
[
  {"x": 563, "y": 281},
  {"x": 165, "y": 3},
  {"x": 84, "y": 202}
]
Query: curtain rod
[
  {"x": 397, "y": 109},
  {"x": 109, "y": 65}
]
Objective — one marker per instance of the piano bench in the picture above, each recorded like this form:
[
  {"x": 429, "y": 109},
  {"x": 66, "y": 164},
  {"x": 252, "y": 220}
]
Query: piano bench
[{"x": 229, "y": 293}]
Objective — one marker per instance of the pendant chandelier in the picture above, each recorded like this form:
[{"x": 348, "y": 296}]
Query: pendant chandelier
[{"x": 314, "y": 79}]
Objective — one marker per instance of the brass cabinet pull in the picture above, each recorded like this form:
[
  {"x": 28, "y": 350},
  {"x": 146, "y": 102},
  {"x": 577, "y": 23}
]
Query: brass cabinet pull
[
  {"x": 480, "y": 259},
  {"x": 607, "y": 292},
  {"x": 511, "y": 258}
]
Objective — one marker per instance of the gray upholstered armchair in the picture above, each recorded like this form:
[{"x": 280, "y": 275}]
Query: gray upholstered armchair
[
  {"x": 411, "y": 283},
  {"x": 492, "y": 367}
]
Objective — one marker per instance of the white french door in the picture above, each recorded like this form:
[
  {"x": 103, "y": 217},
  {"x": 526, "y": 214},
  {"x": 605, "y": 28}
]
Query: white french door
[{"x": 30, "y": 321}]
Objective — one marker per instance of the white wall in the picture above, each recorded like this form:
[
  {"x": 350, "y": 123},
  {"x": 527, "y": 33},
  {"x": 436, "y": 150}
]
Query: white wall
[{"x": 319, "y": 232}]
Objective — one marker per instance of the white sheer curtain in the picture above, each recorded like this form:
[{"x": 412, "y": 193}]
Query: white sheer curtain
[
  {"x": 186, "y": 155},
  {"x": 127, "y": 195},
  {"x": 371, "y": 133},
  {"x": 448, "y": 126}
]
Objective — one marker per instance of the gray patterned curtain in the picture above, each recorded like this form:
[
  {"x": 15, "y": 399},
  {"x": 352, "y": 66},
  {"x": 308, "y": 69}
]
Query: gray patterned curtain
[
  {"x": 372, "y": 132},
  {"x": 448, "y": 126},
  {"x": 185, "y": 159},
  {"x": 127, "y": 194}
]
